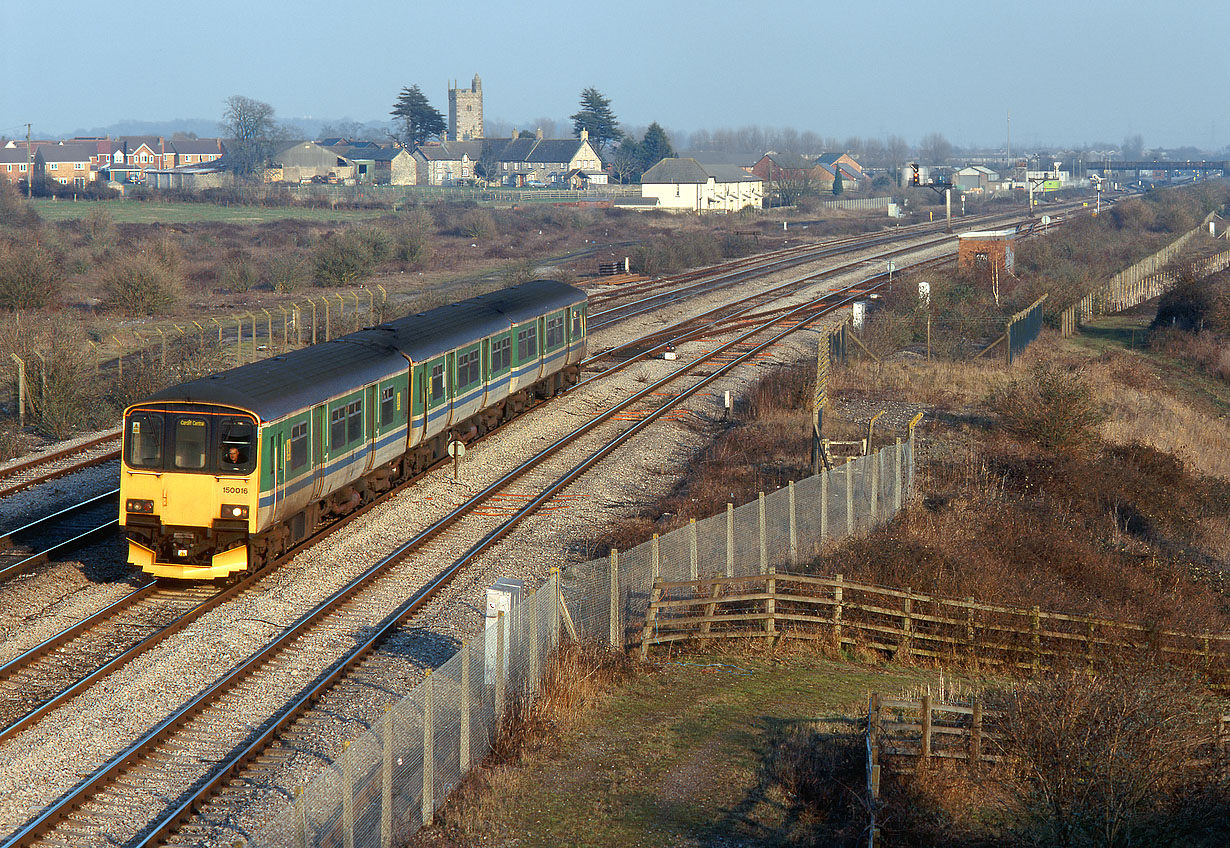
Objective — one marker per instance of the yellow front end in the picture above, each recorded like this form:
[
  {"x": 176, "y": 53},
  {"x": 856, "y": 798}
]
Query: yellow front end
[{"x": 190, "y": 512}]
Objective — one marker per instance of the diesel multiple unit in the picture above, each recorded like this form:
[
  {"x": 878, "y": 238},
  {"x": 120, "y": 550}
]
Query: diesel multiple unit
[{"x": 223, "y": 474}]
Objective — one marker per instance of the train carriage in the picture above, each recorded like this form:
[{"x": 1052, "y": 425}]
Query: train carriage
[{"x": 224, "y": 473}]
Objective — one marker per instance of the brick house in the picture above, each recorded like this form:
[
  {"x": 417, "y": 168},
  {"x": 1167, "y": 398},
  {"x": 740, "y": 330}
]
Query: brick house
[
  {"x": 67, "y": 164},
  {"x": 14, "y": 163}
]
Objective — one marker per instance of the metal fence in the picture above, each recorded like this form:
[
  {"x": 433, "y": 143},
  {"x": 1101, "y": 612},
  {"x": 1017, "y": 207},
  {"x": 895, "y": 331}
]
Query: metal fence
[
  {"x": 395, "y": 194},
  {"x": 1132, "y": 286},
  {"x": 387, "y": 783},
  {"x": 1023, "y": 328},
  {"x": 858, "y": 203}
]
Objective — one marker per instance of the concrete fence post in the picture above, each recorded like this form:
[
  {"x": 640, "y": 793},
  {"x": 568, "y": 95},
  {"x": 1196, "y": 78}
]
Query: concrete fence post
[
  {"x": 764, "y": 537},
  {"x": 838, "y": 603},
  {"x": 301, "y": 828},
  {"x": 500, "y": 651},
  {"x": 900, "y": 480},
  {"x": 535, "y": 671},
  {"x": 347, "y": 798},
  {"x": 693, "y": 552},
  {"x": 730, "y": 540},
  {"x": 464, "y": 757},
  {"x": 429, "y": 754},
  {"x": 875, "y": 489},
  {"x": 616, "y": 634},
  {"x": 655, "y": 560},
  {"x": 386, "y": 781},
  {"x": 850, "y": 498},
  {"x": 824, "y": 506},
  {"x": 794, "y": 531}
]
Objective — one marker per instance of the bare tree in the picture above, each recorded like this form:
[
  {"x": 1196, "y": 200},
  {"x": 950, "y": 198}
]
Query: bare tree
[
  {"x": 896, "y": 149},
  {"x": 1133, "y": 148},
  {"x": 251, "y": 132},
  {"x": 809, "y": 143},
  {"x": 934, "y": 149}
]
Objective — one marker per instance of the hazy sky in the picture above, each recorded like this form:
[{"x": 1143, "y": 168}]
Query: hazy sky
[{"x": 1072, "y": 72}]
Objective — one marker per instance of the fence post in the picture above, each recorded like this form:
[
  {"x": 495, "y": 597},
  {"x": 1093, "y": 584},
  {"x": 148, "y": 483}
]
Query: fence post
[
  {"x": 347, "y": 798},
  {"x": 386, "y": 782},
  {"x": 555, "y": 623},
  {"x": 328, "y": 329},
  {"x": 969, "y": 625},
  {"x": 239, "y": 340},
  {"x": 693, "y": 553},
  {"x": 975, "y": 738},
  {"x": 926, "y": 729},
  {"x": 900, "y": 479},
  {"x": 535, "y": 671},
  {"x": 838, "y": 599},
  {"x": 312, "y": 301},
  {"x": 907, "y": 622},
  {"x": 464, "y": 746},
  {"x": 301, "y": 838},
  {"x": 794, "y": 533},
  {"x": 764, "y": 538},
  {"x": 730, "y": 540},
  {"x": 429, "y": 754},
  {"x": 824, "y": 506},
  {"x": 1089, "y": 646},
  {"x": 21, "y": 385},
  {"x": 655, "y": 560},
  {"x": 874, "y": 457},
  {"x": 500, "y": 649},
  {"x": 1036, "y": 639},
  {"x": 850, "y": 497},
  {"x": 616, "y": 641}
]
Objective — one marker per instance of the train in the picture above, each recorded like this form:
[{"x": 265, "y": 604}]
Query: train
[{"x": 224, "y": 474}]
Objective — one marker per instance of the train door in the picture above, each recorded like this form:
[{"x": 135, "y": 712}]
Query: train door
[
  {"x": 485, "y": 360},
  {"x": 318, "y": 450},
  {"x": 542, "y": 344},
  {"x": 450, "y": 383},
  {"x": 371, "y": 412},
  {"x": 277, "y": 467}
]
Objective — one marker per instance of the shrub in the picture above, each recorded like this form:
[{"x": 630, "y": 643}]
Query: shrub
[
  {"x": 285, "y": 272},
  {"x": 139, "y": 284},
  {"x": 478, "y": 224},
  {"x": 30, "y": 276},
  {"x": 410, "y": 237},
  {"x": 238, "y": 275},
  {"x": 1053, "y": 405},
  {"x": 14, "y": 211},
  {"x": 98, "y": 228},
  {"x": 1113, "y": 760},
  {"x": 342, "y": 259}
]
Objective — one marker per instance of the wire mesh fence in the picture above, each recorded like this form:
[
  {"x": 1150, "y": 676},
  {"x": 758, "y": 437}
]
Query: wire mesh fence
[{"x": 388, "y": 782}]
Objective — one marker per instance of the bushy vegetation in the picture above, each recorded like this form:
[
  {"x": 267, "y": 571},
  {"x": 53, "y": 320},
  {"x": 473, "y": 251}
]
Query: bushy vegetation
[
  {"x": 144, "y": 283},
  {"x": 30, "y": 276}
]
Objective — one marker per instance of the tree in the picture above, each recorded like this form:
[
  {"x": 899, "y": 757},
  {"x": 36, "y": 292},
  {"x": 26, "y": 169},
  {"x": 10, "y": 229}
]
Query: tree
[
  {"x": 416, "y": 120},
  {"x": 896, "y": 149},
  {"x": 935, "y": 149},
  {"x": 655, "y": 147},
  {"x": 627, "y": 161},
  {"x": 1133, "y": 148},
  {"x": 252, "y": 133},
  {"x": 597, "y": 118},
  {"x": 838, "y": 183}
]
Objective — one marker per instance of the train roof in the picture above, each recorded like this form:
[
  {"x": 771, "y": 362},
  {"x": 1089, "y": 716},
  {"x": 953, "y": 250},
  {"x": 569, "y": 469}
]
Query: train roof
[{"x": 276, "y": 387}]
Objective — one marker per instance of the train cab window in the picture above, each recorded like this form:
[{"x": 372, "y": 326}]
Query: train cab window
[
  {"x": 235, "y": 452},
  {"x": 298, "y": 446},
  {"x": 527, "y": 343},
  {"x": 501, "y": 354},
  {"x": 386, "y": 406},
  {"x": 337, "y": 428},
  {"x": 555, "y": 332},
  {"x": 143, "y": 447},
  {"x": 576, "y": 324},
  {"x": 437, "y": 383},
  {"x": 191, "y": 436},
  {"x": 354, "y": 421}
]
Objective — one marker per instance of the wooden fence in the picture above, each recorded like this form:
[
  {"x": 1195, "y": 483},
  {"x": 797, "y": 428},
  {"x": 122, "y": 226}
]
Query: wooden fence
[
  {"x": 903, "y": 735},
  {"x": 906, "y": 625}
]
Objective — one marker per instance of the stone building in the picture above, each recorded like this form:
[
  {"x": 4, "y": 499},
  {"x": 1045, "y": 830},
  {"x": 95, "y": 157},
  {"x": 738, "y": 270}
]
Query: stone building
[{"x": 465, "y": 112}]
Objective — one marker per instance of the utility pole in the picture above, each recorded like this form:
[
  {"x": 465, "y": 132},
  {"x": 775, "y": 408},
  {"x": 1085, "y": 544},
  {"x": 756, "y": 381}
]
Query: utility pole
[{"x": 29, "y": 166}]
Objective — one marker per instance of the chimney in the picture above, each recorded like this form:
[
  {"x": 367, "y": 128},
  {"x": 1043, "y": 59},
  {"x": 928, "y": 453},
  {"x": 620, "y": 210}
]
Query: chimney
[
  {"x": 584, "y": 135},
  {"x": 538, "y": 135}
]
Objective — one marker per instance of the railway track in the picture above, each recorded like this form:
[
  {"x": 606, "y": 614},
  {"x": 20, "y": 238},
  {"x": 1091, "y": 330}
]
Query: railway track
[
  {"x": 40, "y": 469},
  {"x": 198, "y": 730},
  {"x": 171, "y": 754},
  {"x": 22, "y": 548}
]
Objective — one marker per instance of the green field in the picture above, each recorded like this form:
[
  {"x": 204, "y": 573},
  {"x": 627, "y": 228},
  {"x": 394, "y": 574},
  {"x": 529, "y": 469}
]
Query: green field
[{"x": 161, "y": 212}]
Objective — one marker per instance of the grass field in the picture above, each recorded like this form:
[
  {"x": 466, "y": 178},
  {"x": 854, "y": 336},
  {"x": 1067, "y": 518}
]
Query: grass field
[
  {"x": 159, "y": 212},
  {"x": 687, "y": 753}
]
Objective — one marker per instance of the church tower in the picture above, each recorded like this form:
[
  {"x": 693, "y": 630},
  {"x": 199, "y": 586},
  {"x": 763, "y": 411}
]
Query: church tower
[{"x": 465, "y": 112}]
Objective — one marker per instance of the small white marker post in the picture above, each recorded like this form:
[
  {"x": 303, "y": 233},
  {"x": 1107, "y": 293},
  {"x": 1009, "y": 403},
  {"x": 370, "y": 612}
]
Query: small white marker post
[{"x": 456, "y": 449}]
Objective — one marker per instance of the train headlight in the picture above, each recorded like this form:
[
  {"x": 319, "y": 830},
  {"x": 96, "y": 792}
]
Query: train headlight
[
  {"x": 136, "y": 505},
  {"x": 234, "y": 511}
]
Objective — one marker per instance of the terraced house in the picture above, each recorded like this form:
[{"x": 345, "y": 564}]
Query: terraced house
[{"x": 14, "y": 164}]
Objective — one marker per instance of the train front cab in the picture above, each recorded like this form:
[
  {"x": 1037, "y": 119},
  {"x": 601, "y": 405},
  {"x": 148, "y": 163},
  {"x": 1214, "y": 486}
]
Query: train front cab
[{"x": 189, "y": 489}]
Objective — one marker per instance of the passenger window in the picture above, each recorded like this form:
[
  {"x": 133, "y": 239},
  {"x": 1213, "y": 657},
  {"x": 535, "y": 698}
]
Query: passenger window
[
  {"x": 501, "y": 354},
  {"x": 555, "y": 331},
  {"x": 298, "y": 447},
  {"x": 386, "y": 406},
  {"x": 527, "y": 344},
  {"x": 144, "y": 444},
  {"x": 337, "y": 428},
  {"x": 235, "y": 446},
  {"x": 191, "y": 441},
  {"x": 354, "y": 421}
]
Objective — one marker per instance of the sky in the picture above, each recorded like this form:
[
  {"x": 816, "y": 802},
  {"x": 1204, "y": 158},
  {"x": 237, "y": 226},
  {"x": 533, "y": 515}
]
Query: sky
[{"x": 1068, "y": 73}]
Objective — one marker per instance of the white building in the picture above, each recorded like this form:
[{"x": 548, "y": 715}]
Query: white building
[{"x": 686, "y": 185}]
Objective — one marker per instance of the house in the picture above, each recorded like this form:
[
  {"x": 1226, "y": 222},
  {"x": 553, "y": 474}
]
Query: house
[
  {"x": 379, "y": 165},
  {"x": 773, "y": 167},
  {"x": 832, "y": 160},
  {"x": 303, "y": 161},
  {"x": 67, "y": 163},
  {"x": 578, "y": 179},
  {"x": 546, "y": 161},
  {"x": 193, "y": 151},
  {"x": 440, "y": 165},
  {"x": 686, "y": 185},
  {"x": 14, "y": 163}
]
